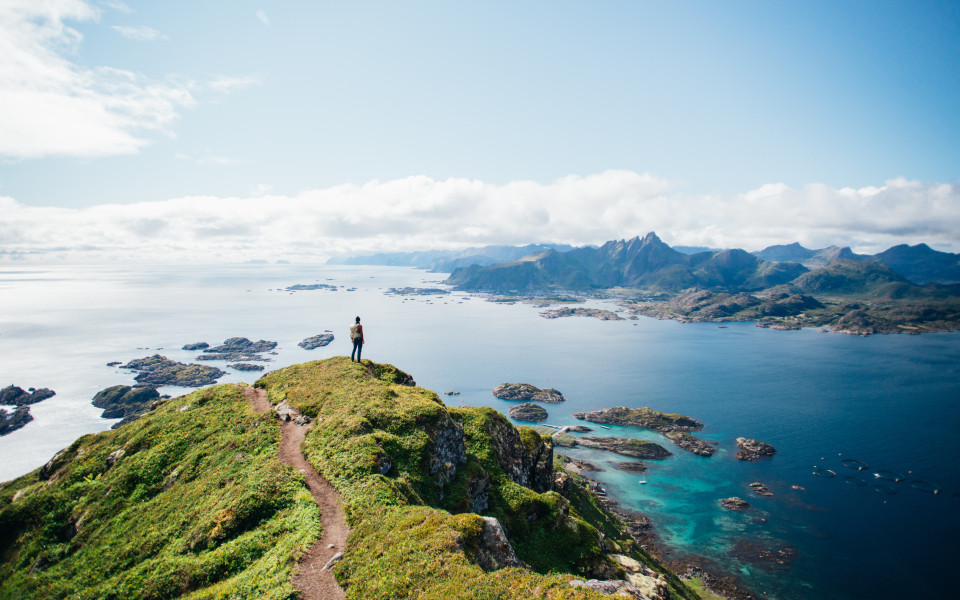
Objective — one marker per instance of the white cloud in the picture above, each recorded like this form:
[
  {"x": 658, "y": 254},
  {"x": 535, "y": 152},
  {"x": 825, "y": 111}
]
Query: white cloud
[
  {"x": 140, "y": 33},
  {"x": 50, "y": 106},
  {"x": 421, "y": 213},
  {"x": 262, "y": 16}
]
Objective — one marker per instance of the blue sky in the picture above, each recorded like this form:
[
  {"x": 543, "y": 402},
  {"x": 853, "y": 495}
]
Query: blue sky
[{"x": 713, "y": 123}]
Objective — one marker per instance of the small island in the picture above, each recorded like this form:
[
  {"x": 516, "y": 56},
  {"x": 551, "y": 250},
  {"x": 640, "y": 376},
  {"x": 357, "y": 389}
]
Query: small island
[
  {"x": 238, "y": 349},
  {"x": 735, "y": 503},
  {"x": 415, "y": 291},
  {"x": 566, "y": 311},
  {"x": 748, "y": 449},
  {"x": 675, "y": 427},
  {"x": 528, "y": 412},
  {"x": 13, "y": 395},
  {"x": 246, "y": 367},
  {"x": 625, "y": 447},
  {"x": 316, "y": 341},
  {"x": 527, "y": 392},
  {"x": 160, "y": 370},
  {"x": 126, "y": 402},
  {"x": 302, "y": 287}
]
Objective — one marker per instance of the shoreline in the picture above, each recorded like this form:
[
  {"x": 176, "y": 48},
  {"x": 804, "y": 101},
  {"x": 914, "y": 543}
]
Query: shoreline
[{"x": 642, "y": 530}]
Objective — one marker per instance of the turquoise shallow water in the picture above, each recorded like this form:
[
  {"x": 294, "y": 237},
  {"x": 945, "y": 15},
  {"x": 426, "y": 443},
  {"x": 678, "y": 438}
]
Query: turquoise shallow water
[{"x": 889, "y": 401}]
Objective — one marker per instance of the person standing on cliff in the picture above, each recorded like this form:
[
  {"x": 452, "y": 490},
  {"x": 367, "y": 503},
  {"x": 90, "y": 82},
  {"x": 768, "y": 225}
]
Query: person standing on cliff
[{"x": 356, "y": 334}]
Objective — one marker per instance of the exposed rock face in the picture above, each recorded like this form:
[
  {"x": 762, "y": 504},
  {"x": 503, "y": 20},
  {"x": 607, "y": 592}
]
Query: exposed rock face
[
  {"x": 316, "y": 341},
  {"x": 631, "y": 467},
  {"x": 673, "y": 426},
  {"x": 651, "y": 584},
  {"x": 196, "y": 346},
  {"x": 611, "y": 587},
  {"x": 125, "y": 402},
  {"x": 527, "y": 392},
  {"x": 527, "y": 412},
  {"x": 522, "y": 454},
  {"x": 626, "y": 447},
  {"x": 495, "y": 551},
  {"x": 748, "y": 449},
  {"x": 160, "y": 370},
  {"x": 15, "y": 396},
  {"x": 448, "y": 453},
  {"x": 735, "y": 503}
]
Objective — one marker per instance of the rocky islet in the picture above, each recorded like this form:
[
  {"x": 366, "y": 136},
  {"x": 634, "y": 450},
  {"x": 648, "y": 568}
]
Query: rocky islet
[
  {"x": 21, "y": 400},
  {"x": 527, "y": 392}
]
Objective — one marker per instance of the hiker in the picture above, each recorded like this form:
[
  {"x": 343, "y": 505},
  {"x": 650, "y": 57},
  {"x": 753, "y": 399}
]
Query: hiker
[{"x": 356, "y": 334}]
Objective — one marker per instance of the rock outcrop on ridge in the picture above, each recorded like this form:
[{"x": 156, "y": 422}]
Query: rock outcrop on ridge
[{"x": 192, "y": 499}]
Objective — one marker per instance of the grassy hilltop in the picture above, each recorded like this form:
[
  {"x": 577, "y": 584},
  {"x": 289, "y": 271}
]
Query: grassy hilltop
[{"x": 191, "y": 501}]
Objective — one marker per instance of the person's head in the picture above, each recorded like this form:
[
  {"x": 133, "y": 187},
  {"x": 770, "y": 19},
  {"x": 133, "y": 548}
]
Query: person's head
[{"x": 358, "y": 319}]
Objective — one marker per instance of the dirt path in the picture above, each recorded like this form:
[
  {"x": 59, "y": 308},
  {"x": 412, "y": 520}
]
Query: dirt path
[{"x": 315, "y": 582}]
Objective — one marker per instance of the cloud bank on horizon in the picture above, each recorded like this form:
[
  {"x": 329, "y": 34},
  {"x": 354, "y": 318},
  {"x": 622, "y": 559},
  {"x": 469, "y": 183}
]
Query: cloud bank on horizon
[
  {"x": 418, "y": 213},
  {"x": 129, "y": 132}
]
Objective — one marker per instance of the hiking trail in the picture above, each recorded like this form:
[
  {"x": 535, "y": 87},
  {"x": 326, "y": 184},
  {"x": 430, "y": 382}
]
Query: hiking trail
[{"x": 310, "y": 576}]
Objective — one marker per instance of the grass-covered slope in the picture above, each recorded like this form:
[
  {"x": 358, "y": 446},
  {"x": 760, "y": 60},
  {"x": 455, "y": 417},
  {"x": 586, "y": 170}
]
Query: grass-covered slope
[
  {"x": 416, "y": 476},
  {"x": 190, "y": 501}
]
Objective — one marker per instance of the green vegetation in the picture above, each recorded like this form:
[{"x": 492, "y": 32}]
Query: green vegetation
[
  {"x": 412, "y": 502},
  {"x": 190, "y": 501}
]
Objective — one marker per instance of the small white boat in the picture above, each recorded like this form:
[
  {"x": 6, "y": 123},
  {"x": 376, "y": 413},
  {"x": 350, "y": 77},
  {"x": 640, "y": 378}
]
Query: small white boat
[{"x": 643, "y": 481}]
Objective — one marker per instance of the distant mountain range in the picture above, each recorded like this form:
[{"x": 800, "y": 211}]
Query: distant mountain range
[
  {"x": 920, "y": 264},
  {"x": 649, "y": 263},
  {"x": 446, "y": 261}
]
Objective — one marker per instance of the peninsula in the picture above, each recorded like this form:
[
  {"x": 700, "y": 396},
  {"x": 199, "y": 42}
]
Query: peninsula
[{"x": 192, "y": 499}]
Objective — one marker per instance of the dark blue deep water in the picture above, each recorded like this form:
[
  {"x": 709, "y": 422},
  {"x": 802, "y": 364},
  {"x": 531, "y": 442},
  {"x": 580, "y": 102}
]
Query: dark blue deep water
[{"x": 890, "y": 402}]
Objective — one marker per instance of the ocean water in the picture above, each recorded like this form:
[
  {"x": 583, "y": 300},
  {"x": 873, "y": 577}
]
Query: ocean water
[{"x": 890, "y": 402}]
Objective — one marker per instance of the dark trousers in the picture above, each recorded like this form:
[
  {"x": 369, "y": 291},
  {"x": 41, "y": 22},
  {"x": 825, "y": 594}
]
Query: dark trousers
[{"x": 357, "y": 348}]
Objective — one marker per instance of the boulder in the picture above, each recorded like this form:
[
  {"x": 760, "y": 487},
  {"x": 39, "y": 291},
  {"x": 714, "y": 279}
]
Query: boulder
[{"x": 495, "y": 551}]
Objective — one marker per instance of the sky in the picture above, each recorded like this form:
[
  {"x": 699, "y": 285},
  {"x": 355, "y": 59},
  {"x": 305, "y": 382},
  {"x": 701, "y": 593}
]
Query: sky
[{"x": 296, "y": 130}]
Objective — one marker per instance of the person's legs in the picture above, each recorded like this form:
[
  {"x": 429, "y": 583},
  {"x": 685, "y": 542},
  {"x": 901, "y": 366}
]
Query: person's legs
[
  {"x": 356, "y": 346},
  {"x": 359, "y": 349}
]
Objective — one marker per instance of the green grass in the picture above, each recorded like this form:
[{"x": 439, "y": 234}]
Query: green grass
[
  {"x": 413, "y": 535},
  {"x": 198, "y": 506}
]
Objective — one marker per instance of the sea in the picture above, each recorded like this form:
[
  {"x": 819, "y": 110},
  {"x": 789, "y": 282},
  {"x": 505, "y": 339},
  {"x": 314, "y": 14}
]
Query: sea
[{"x": 865, "y": 482}]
